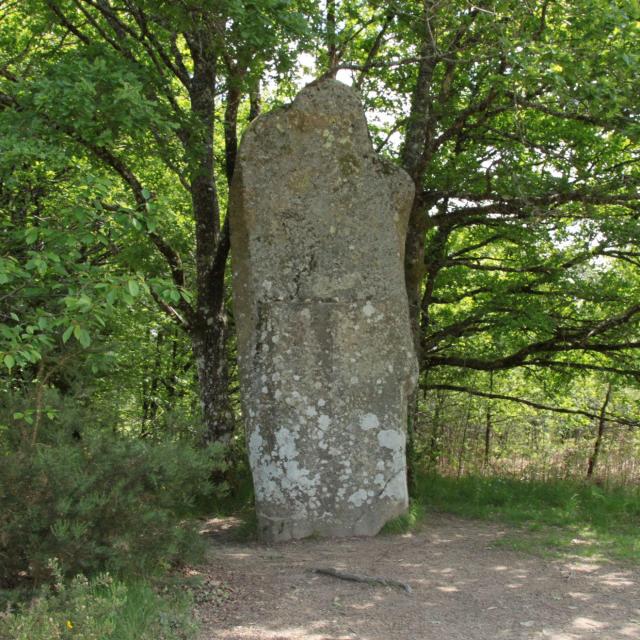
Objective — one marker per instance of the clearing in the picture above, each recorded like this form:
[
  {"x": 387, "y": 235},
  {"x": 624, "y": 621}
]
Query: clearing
[{"x": 464, "y": 587}]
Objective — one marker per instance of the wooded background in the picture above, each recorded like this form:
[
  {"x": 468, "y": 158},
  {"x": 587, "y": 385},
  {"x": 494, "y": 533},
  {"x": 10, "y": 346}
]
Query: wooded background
[{"x": 517, "y": 120}]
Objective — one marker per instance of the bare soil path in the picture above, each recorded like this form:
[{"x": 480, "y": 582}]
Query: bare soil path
[{"x": 464, "y": 588}]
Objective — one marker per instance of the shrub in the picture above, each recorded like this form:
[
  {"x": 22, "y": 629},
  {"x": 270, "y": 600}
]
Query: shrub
[
  {"x": 100, "y": 504},
  {"x": 98, "y": 609}
]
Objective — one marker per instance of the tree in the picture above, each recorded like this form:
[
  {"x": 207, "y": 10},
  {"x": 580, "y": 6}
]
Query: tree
[
  {"x": 522, "y": 140},
  {"x": 135, "y": 88},
  {"x": 518, "y": 123}
]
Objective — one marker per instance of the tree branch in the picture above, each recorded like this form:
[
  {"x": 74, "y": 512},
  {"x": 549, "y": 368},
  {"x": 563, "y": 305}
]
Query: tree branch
[{"x": 535, "y": 405}]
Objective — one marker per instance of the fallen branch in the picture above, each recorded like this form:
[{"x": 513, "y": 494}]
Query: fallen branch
[{"x": 353, "y": 577}]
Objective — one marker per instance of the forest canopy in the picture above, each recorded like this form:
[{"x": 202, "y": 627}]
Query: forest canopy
[{"x": 517, "y": 121}]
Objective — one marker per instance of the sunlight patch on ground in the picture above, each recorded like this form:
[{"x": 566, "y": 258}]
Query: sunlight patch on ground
[
  {"x": 285, "y": 633},
  {"x": 589, "y": 624},
  {"x": 617, "y": 580},
  {"x": 631, "y": 630}
]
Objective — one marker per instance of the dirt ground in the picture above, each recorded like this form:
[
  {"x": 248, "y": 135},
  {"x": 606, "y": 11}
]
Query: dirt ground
[{"x": 464, "y": 588}]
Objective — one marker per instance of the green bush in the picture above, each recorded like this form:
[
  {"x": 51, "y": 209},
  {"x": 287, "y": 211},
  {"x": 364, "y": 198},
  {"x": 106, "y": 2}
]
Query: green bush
[
  {"x": 100, "y": 504},
  {"x": 98, "y": 609}
]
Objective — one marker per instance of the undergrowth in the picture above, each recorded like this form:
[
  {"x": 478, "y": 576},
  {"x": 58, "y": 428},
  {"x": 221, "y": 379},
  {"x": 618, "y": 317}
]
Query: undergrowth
[
  {"x": 99, "y": 608},
  {"x": 552, "y": 517},
  {"x": 90, "y": 531}
]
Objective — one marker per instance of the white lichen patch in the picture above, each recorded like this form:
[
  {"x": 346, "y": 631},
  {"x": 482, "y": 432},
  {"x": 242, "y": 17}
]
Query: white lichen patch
[
  {"x": 368, "y": 309},
  {"x": 286, "y": 444},
  {"x": 391, "y": 439},
  {"x": 297, "y": 477},
  {"x": 358, "y": 498},
  {"x": 324, "y": 421},
  {"x": 369, "y": 421}
]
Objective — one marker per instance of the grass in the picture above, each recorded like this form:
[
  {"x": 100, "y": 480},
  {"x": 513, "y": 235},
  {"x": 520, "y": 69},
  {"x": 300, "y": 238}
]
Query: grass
[
  {"x": 552, "y": 517},
  {"x": 101, "y": 609},
  {"x": 149, "y": 614},
  {"x": 407, "y": 521}
]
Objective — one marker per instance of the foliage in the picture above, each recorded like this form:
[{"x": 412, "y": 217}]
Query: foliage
[
  {"x": 460, "y": 434},
  {"x": 98, "y": 609},
  {"x": 101, "y": 503}
]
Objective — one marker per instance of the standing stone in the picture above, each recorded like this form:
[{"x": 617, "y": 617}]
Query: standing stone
[{"x": 326, "y": 358}]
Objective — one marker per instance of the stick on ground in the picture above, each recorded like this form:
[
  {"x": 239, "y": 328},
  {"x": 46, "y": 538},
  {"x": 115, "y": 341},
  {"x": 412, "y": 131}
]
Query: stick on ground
[{"x": 354, "y": 577}]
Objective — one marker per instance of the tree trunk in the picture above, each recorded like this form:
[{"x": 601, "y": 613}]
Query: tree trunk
[
  {"x": 414, "y": 162},
  {"x": 412, "y": 416},
  {"x": 463, "y": 444},
  {"x": 434, "y": 441},
  {"x": 254, "y": 101},
  {"x": 150, "y": 390},
  {"x": 332, "y": 49},
  {"x": 208, "y": 322},
  {"x": 602, "y": 421},
  {"x": 209, "y": 351},
  {"x": 488, "y": 430}
]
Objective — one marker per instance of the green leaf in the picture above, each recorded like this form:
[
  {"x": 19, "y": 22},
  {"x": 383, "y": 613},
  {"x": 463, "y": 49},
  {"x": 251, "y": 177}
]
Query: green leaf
[
  {"x": 133, "y": 287},
  {"x": 67, "y": 334},
  {"x": 31, "y": 235},
  {"x": 9, "y": 361},
  {"x": 82, "y": 336}
]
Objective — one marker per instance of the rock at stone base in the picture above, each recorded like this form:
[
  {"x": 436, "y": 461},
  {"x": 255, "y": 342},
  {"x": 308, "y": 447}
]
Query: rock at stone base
[{"x": 326, "y": 357}]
